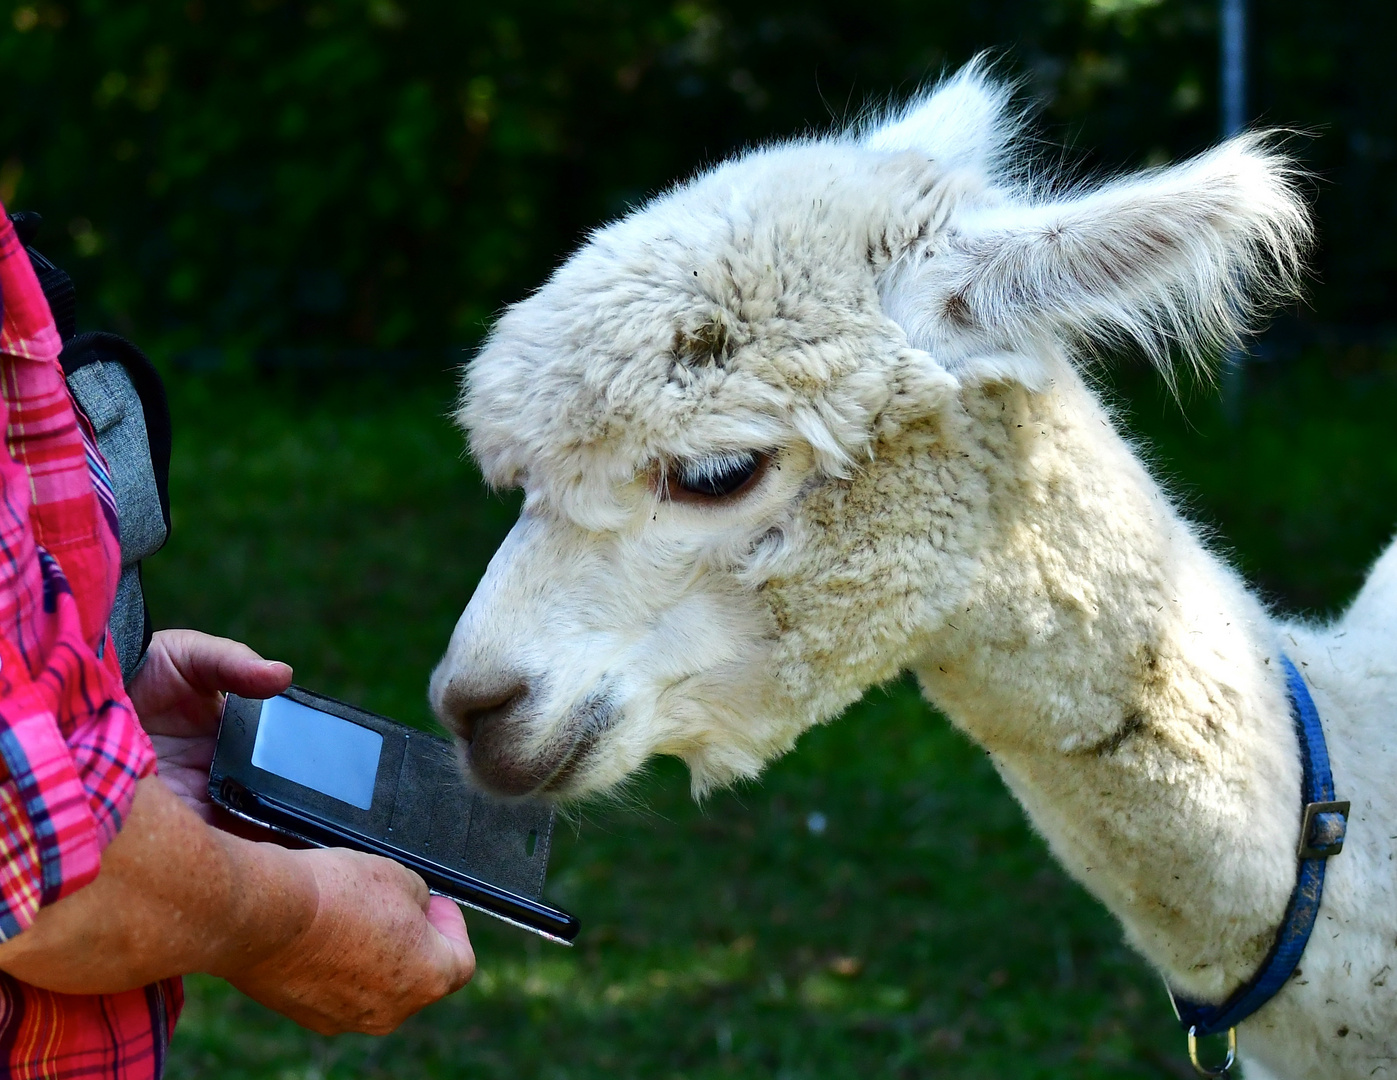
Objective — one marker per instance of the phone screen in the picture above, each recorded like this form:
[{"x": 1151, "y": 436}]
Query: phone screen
[{"x": 318, "y": 751}]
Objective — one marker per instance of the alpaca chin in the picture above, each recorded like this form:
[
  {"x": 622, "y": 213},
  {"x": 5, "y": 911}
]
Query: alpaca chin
[{"x": 715, "y": 767}]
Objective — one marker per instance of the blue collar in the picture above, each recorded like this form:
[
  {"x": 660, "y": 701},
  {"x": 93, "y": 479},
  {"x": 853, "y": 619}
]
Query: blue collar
[{"x": 1322, "y": 826}]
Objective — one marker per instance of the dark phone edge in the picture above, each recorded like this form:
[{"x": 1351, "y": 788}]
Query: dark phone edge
[{"x": 521, "y": 911}]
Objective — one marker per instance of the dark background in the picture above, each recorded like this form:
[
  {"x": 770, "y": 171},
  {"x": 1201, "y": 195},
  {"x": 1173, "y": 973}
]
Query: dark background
[
  {"x": 267, "y": 177},
  {"x": 308, "y": 214}
]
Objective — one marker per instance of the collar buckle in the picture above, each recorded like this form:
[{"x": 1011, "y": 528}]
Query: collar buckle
[{"x": 1322, "y": 829}]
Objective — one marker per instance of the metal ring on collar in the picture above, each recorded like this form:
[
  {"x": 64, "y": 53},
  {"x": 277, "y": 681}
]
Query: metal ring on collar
[{"x": 1202, "y": 1070}]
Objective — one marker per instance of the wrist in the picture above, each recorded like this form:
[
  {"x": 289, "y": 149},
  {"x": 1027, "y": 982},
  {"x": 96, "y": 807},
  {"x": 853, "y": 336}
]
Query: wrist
[{"x": 273, "y": 898}]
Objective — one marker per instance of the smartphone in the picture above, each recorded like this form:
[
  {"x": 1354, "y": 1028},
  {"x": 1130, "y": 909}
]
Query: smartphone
[{"x": 333, "y": 775}]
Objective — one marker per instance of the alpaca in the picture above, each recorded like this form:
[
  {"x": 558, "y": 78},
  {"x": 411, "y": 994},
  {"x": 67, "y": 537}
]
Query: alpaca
[{"x": 818, "y": 416}]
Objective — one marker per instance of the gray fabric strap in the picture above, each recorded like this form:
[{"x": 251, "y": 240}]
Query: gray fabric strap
[
  {"x": 128, "y": 623},
  {"x": 108, "y": 397}
]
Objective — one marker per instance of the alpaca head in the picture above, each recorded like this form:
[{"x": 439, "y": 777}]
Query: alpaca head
[{"x": 735, "y": 415}]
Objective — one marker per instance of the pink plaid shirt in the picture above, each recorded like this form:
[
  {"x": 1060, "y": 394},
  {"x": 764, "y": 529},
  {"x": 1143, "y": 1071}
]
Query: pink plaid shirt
[{"x": 71, "y": 749}]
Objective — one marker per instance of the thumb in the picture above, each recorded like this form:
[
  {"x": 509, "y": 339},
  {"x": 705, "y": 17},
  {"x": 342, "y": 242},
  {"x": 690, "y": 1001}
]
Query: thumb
[
  {"x": 453, "y": 939},
  {"x": 210, "y": 664}
]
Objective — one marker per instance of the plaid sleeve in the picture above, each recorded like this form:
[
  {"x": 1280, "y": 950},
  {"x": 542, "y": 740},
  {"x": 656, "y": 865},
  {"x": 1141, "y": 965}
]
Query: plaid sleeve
[
  {"x": 47, "y": 826},
  {"x": 71, "y": 748}
]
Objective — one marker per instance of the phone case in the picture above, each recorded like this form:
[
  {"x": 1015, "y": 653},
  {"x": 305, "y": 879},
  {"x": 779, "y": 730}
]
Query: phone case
[{"x": 487, "y": 853}]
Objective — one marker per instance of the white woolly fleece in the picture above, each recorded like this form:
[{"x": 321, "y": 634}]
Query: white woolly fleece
[{"x": 891, "y": 321}]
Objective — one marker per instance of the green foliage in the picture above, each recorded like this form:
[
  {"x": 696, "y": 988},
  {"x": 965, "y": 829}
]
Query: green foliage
[
  {"x": 386, "y": 173},
  {"x": 923, "y": 931},
  {"x": 1303, "y": 495}
]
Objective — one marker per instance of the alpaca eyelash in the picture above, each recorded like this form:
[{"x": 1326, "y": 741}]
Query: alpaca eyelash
[{"x": 716, "y": 477}]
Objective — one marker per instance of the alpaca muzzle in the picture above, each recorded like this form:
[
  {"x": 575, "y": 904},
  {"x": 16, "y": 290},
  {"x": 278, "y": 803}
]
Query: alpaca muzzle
[{"x": 498, "y": 725}]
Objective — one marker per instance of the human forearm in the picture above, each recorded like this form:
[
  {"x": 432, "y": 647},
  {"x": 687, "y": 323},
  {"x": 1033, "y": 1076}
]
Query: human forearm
[
  {"x": 173, "y": 896},
  {"x": 336, "y": 940}
]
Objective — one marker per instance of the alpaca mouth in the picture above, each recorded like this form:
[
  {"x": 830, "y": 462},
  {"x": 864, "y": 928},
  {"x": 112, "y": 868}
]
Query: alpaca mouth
[
  {"x": 550, "y": 772},
  {"x": 557, "y": 783},
  {"x": 592, "y": 721}
]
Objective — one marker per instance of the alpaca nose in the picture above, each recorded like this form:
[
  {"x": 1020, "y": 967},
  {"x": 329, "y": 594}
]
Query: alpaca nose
[{"x": 469, "y": 708}]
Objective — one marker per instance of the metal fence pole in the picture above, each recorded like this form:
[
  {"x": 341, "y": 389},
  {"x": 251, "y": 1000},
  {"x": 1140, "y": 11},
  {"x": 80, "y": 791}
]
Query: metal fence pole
[{"x": 1232, "y": 84}]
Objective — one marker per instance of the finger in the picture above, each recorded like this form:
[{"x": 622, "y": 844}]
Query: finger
[
  {"x": 450, "y": 925},
  {"x": 210, "y": 664},
  {"x": 444, "y": 914},
  {"x": 411, "y": 881}
]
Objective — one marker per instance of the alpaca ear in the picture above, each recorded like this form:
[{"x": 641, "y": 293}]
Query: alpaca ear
[
  {"x": 1181, "y": 258},
  {"x": 961, "y": 123}
]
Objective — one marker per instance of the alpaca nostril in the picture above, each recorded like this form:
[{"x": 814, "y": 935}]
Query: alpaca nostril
[{"x": 470, "y": 708}]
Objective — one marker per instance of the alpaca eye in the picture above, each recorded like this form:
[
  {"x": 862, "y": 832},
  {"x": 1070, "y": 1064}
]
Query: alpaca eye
[{"x": 714, "y": 477}]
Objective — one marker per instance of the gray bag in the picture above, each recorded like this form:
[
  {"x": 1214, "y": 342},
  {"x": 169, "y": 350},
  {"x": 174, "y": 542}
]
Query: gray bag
[{"x": 119, "y": 389}]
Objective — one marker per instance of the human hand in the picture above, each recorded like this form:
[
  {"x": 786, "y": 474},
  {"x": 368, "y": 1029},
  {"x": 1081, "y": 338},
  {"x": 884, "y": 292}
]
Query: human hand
[
  {"x": 178, "y": 694},
  {"x": 378, "y": 949},
  {"x": 336, "y": 940}
]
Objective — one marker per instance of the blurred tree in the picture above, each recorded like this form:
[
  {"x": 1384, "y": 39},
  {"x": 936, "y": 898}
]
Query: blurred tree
[{"x": 386, "y": 173}]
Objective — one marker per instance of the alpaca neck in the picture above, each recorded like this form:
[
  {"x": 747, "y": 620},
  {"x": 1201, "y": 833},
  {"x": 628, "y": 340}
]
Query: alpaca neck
[{"x": 1127, "y": 688}]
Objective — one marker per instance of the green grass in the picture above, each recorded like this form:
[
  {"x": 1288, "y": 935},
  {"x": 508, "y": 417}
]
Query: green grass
[{"x": 924, "y": 932}]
